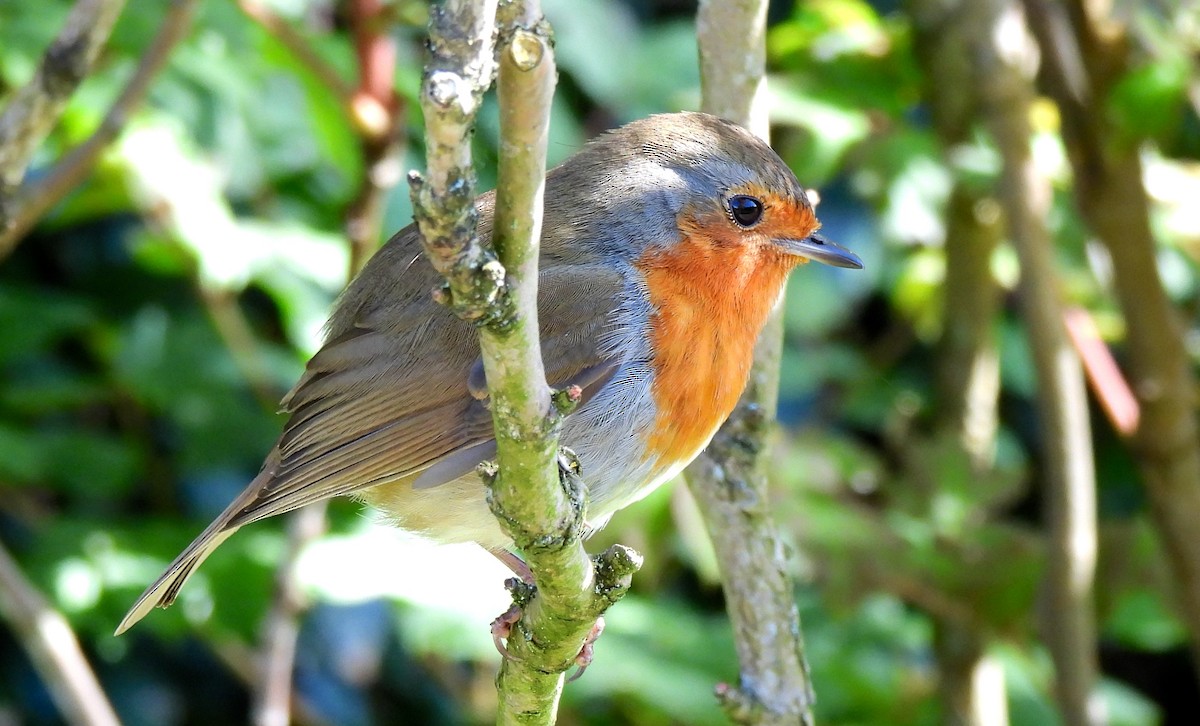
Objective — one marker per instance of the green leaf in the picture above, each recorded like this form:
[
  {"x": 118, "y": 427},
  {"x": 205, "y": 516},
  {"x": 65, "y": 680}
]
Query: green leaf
[
  {"x": 21, "y": 457},
  {"x": 31, "y": 321},
  {"x": 1146, "y": 103},
  {"x": 1142, "y": 619}
]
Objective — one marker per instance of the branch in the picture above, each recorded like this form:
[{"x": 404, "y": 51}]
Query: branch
[
  {"x": 34, "y": 109},
  {"x": 729, "y": 479},
  {"x": 378, "y": 114},
  {"x": 542, "y": 515},
  {"x": 1112, "y": 200},
  {"x": 35, "y": 198},
  {"x": 968, "y": 384},
  {"x": 52, "y": 647},
  {"x": 273, "y": 686},
  {"x": 733, "y": 58},
  {"x": 459, "y": 70},
  {"x": 967, "y": 375},
  {"x": 1070, "y": 478},
  {"x": 261, "y": 13}
]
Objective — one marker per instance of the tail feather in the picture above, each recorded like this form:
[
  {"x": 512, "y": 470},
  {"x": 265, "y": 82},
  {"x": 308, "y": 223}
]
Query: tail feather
[{"x": 164, "y": 590}]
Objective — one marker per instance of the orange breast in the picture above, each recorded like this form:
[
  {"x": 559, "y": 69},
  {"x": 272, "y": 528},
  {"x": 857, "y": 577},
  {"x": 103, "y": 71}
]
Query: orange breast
[{"x": 711, "y": 296}]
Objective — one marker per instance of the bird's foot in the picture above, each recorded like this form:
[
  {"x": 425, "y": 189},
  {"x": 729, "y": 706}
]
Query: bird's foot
[
  {"x": 584, "y": 659},
  {"x": 502, "y": 628}
]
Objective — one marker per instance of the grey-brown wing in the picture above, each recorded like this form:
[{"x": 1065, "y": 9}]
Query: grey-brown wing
[{"x": 390, "y": 394}]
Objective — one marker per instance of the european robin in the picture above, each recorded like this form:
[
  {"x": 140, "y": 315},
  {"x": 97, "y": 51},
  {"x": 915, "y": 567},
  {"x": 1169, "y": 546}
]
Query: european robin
[{"x": 665, "y": 245}]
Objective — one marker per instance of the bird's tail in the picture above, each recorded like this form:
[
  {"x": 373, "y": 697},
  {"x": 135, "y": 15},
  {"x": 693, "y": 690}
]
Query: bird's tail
[
  {"x": 164, "y": 590},
  {"x": 162, "y": 593}
]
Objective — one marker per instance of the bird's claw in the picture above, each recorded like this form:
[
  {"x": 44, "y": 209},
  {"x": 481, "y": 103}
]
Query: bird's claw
[
  {"x": 502, "y": 628},
  {"x": 588, "y": 651}
]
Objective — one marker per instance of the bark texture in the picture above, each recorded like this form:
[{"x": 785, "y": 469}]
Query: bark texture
[
  {"x": 729, "y": 480},
  {"x": 533, "y": 490}
]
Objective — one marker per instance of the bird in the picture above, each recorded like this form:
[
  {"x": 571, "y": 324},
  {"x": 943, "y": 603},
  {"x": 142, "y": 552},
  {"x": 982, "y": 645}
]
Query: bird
[{"x": 665, "y": 246}]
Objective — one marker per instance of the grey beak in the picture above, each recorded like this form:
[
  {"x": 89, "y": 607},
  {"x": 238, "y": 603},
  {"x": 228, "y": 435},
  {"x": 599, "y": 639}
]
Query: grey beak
[{"x": 817, "y": 248}]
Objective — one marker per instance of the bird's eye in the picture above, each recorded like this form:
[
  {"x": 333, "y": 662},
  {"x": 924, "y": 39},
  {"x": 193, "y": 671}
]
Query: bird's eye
[{"x": 744, "y": 210}]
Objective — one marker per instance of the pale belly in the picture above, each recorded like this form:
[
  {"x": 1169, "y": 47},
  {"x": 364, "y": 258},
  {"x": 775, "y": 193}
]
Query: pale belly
[{"x": 614, "y": 469}]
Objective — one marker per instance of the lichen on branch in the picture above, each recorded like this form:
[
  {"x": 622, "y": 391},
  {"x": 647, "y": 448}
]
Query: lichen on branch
[
  {"x": 459, "y": 72},
  {"x": 537, "y": 498},
  {"x": 729, "y": 480}
]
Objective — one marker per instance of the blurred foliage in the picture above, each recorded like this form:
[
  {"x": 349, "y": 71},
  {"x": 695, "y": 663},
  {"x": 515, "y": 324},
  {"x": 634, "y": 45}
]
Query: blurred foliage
[{"x": 130, "y": 413}]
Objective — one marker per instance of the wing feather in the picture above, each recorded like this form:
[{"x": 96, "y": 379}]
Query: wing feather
[{"x": 385, "y": 399}]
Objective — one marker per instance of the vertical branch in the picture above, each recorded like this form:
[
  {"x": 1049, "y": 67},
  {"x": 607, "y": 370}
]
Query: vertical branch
[
  {"x": 732, "y": 40},
  {"x": 1066, "y": 438},
  {"x": 541, "y": 514},
  {"x": 458, "y": 72},
  {"x": 729, "y": 480},
  {"x": 533, "y": 507},
  {"x": 968, "y": 372},
  {"x": 525, "y": 88},
  {"x": 516, "y": 377},
  {"x": 1085, "y": 55},
  {"x": 967, "y": 377},
  {"x": 272, "y": 686},
  {"x": 968, "y": 385},
  {"x": 379, "y": 115},
  {"x": 52, "y": 647}
]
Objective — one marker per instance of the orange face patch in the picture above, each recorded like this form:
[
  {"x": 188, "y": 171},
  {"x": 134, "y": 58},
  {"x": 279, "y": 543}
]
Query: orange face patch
[{"x": 711, "y": 294}]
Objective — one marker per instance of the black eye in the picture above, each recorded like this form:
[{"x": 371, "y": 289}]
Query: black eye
[{"x": 744, "y": 210}]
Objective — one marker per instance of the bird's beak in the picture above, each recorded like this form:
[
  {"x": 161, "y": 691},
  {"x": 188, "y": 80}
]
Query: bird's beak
[{"x": 817, "y": 248}]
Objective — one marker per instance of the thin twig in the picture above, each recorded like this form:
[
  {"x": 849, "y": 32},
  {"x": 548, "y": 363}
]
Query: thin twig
[
  {"x": 541, "y": 514},
  {"x": 35, "y": 108},
  {"x": 527, "y": 497},
  {"x": 281, "y": 629},
  {"x": 380, "y": 115},
  {"x": 299, "y": 47},
  {"x": 1070, "y": 479},
  {"x": 47, "y": 637},
  {"x": 729, "y": 480},
  {"x": 37, "y": 197}
]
